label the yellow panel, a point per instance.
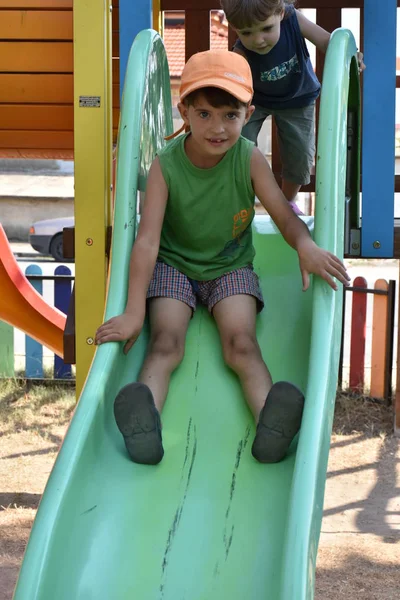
(157, 17)
(92, 80)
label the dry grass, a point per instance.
(34, 410)
(33, 422)
(356, 413)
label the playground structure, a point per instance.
(79, 461)
(219, 531)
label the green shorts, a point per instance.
(296, 136)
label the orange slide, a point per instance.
(23, 307)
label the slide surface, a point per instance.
(208, 523)
(23, 307)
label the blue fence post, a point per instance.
(378, 152)
(34, 350)
(62, 295)
(133, 17)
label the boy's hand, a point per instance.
(314, 259)
(360, 60)
(117, 329)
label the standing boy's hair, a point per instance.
(244, 13)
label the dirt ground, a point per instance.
(359, 552)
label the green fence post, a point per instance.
(6, 350)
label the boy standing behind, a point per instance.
(271, 37)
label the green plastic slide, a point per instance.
(209, 522)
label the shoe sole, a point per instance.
(280, 421)
(139, 422)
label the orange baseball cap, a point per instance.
(222, 69)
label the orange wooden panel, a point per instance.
(379, 333)
(35, 25)
(35, 88)
(36, 57)
(37, 153)
(38, 4)
(58, 140)
(43, 118)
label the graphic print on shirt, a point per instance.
(283, 70)
(239, 231)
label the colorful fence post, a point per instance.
(34, 350)
(388, 393)
(379, 336)
(358, 331)
(383, 324)
(62, 295)
(6, 350)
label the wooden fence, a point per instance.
(370, 343)
(367, 340)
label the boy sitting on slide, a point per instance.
(194, 244)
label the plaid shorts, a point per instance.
(168, 282)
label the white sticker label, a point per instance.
(89, 101)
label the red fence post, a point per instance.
(358, 331)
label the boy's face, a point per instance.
(214, 130)
(262, 36)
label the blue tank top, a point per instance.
(284, 78)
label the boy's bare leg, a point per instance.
(279, 419)
(290, 190)
(169, 320)
(236, 320)
(134, 410)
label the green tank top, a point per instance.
(207, 224)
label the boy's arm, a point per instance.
(143, 259)
(320, 37)
(312, 258)
(313, 33)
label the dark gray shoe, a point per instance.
(139, 422)
(280, 420)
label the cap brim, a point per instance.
(231, 87)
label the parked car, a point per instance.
(47, 236)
